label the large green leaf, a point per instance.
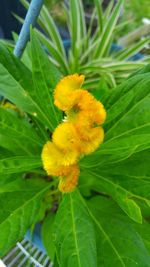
(17, 86)
(17, 134)
(133, 174)
(125, 181)
(16, 69)
(100, 182)
(16, 164)
(45, 78)
(74, 235)
(19, 205)
(118, 242)
(47, 235)
(128, 122)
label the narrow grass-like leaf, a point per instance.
(99, 15)
(75, 27)
(54, 54)
(82, 20)
(108, 10)
(108, 30)
(52, 30)
(129, 52)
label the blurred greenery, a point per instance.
(135, 10)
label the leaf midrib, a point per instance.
(127, 132)
(74, 231)
(50, 100)
(119, 186)
(128, 112)
(29, 97)
(103, 232)
(22, 134)
(26, 203)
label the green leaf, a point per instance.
(55, 263)
(127, 128)
(101, 182)
(108, 30)
(131, 51)
(99, 15)
(74, 16)
(55, 57)
(8, 178)
(45, 78)
(18, 211)
(17, 134)
(118, 242)
(16, 164)
(74, 235)
(82, 20)
(47, 235)
(17, 86)
(133, 174)
(52, 30)
(101, 91)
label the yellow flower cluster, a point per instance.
(80, 134)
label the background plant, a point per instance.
(90, 51)
(111, 205)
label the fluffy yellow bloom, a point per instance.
(51, 159)
(68, 183)
(64, 99)
(66, 137)
(80, 134)
(55, 161)
(96, 137)
(86, 108)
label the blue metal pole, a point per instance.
(30, 19)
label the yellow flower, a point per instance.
(56, 162)
(95, 138)
(66, 138)
(68, 183)
(51, 159)
(63, 96)
(86, 108)
(80, 134)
